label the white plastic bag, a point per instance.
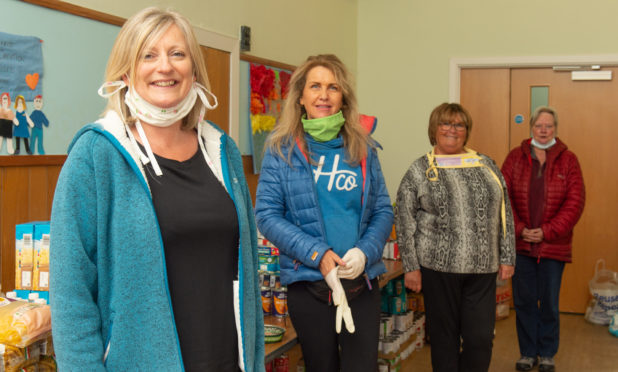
(604, 291)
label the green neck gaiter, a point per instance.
(324, 129)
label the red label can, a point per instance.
(282, 364)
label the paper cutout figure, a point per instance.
(21, 121)
(39, 119)
(6, 123)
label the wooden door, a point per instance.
(485, 93)
(218, 68)
(587, 113)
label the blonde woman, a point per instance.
(154, 263)
(321, 199)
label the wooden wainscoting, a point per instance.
(27, 185)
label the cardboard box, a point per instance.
(24, 258)
(40, 280)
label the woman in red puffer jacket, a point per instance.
(547, 195)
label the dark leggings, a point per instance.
(314, 322)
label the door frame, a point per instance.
(231, 45)
(456, 64)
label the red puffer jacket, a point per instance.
(564, 198)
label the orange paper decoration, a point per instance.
(32, 80)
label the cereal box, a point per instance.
(24, 259)
(40, 280)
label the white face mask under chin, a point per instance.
(159, 117)
(543, 146)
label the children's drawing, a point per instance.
(21, 122)
(21, 65)
(6, 123)
(39, 119)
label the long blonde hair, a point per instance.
(289, 128)
(137, 34)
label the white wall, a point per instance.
(282, 30)
(404, 49)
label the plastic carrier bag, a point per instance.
(604, 291)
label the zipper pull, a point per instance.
(296, 265)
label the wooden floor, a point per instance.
(584, 347)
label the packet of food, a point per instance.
(22, 322)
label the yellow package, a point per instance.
(21, 323)
(28, 359)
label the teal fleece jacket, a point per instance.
(111, 307)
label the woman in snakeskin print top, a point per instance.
(455, 233)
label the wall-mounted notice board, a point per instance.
(75, 51)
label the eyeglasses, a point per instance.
(459, 127)
(543, 126)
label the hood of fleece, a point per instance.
(112, 127)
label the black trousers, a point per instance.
(461, 315)
(314, 322)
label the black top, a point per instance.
(199, 227)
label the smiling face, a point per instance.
(164, 72)
(5, 101)
(450, 139)
(544, 128)
(322, 95)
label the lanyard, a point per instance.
(470, 159)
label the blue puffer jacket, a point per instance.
(288, 214)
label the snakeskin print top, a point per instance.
(453, 224)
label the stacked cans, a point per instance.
(274, 295)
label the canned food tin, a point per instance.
(275, 282)
(265, 279)
(267, 300)
(282, 364)
(280, 300)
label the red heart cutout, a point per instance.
(32, 80)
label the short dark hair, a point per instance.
(445, 113)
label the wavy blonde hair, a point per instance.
(289, 128)
(138, 34)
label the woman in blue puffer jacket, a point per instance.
(321, 199)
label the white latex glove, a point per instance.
(355, 261)
(339, 299)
